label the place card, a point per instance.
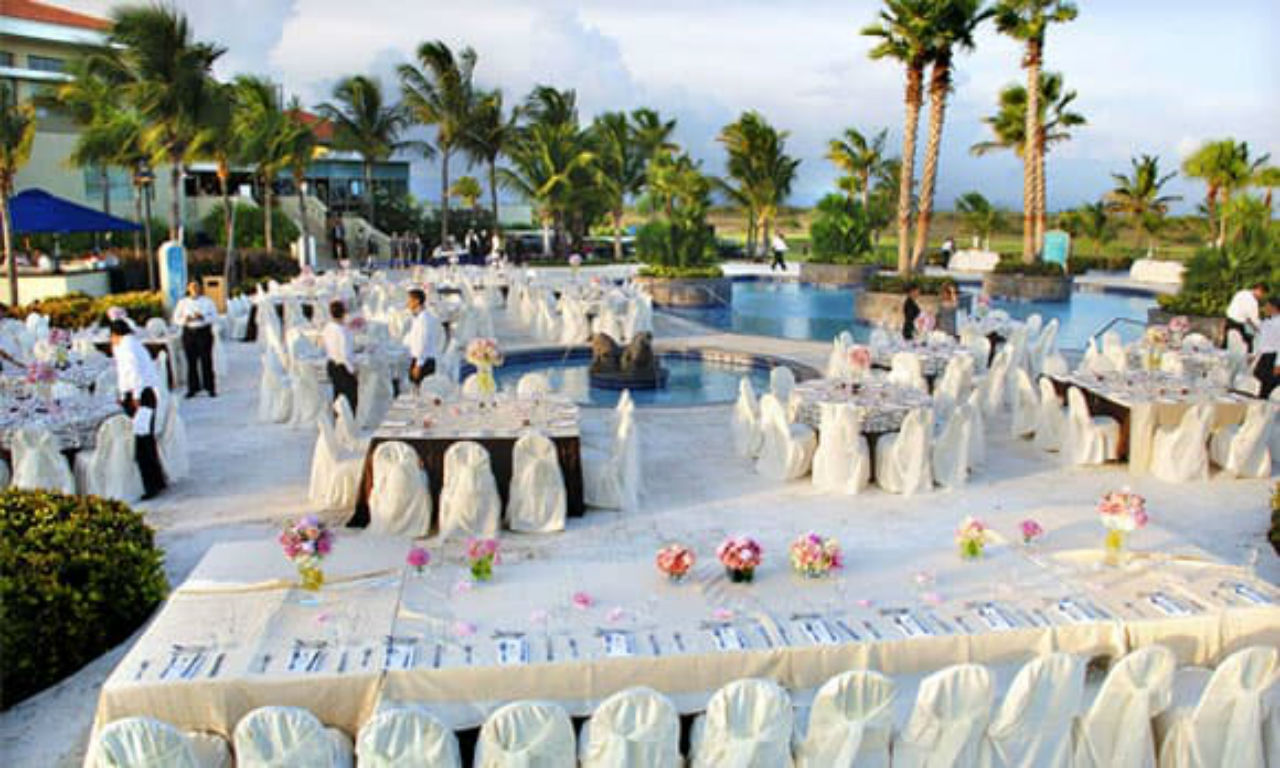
(994, 618)
(401, 653)
(817, 631)
(184, 663)
(1168, 605)
(617, 644)
(1250, 594)
(727, 638)
(1073, 612)
(910, 626)
(306, 657)
(513, 650)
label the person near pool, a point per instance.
(424, 339)
(340, 351)
(138, 384)
(779, 246)
(1243, 311)
(1267, 345)
(910, 311)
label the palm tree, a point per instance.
(491, 132)
(1091, 221)
(905, 31)
(221, 142)
(298, 148)
(364, 123)
(441, 94)
(651, 133)
(90, 100)
(264, 129)
(544, 157)
(859, 158)
(1027, 21)
(468, 190)
(621, 161)
(679, 190)
(758, 162)
(1226, 167)
(167, 76)
(981, 217)
(956, 23)
(1138, 195)
(1268, 178)
(17, 133)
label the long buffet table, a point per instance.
(238, 634)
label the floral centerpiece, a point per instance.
(1121, 512)
(675, 560)
(740, 556)
(925, 323)
(482, 554)
(575, 263)
(418, 559)
(116, 313)
(1155, 339)
(484, 354)
(983, 305)
(815, 556)
(1179, 326)
(1030, 531)
(41, 375)
(859, 360)
(357, 324)
(971, 537)
(306, 543)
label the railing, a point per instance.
(1113, 322)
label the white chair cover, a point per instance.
(308, 401)
(37, 462)
(344, 428)
(171, 439)
(879, 338)
(951, 450)
(537, 502)
(156, 327)
(400, 502)
(980, 346)
(634, 728)
(533, 385)
(1113, 349)
(469, 502)
(335, 474)
(406, 737)
(275, 395)
(526, 734)
(782, 381)
(1243, 450)
(993, 385)
(903, 460)
(1055, 365)
(5, 474)
(374, 394)
(1026, 405)
(289, 737)
(611, 480)
(1116, 731)
(1231, 725)
(977, 431)
(1089, 439)
(954, 386)
(110, 469)
(746, 421)
(1051, 418)
(838, 365)
(1180, 454)
(907, 371)
(1032, 728)
(438, 385)
(747, 725)
(140, 742)
(850, 723)
(1044, 347)
(471, 386)
(949, 722)
(786, 450)
(842, 462)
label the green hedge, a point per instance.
(1012, 265)
(1079, 264)
(928, 286)
(657, 270)
(78, 575)
(76, 310)
(251, 267)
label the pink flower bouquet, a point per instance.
(418, 559)
(859, 358)
(814, 556)
(482, 554)
(1123, 511)
(971, 537)
(740, 556)
(484, 353)
(925, 322)
(675, 561)
(357, 324)
(40, 373)
(1030, 530)
(306, 542)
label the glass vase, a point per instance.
(741, 575)
(310, 577)
(482, 569)
(1114, 545)
(971, 550)
(484, 381)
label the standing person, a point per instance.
(1242, 312)
(948, 249)
(1267, 345)
(195, 314)
(340, 350)
(910, 311)
(425, 336)
(138, 384)
(779, 252)
(338, 239)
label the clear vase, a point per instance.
(971, 550)
(310, 577)
(482, 569)
(484, 380)
(741, 575)
(1116, 554)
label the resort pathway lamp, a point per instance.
(143, 179)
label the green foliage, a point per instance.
(660, 244)
(76, 310)
(249, 227)
(1214, 274)
(676, 272)
(678, 197)
(1012, 265)
(928, 286)
(981, 218)
(841, 231)
(78, 574)
(1079, 264)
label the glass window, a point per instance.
(6, 59)
(46, 63)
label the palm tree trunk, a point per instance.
(1030, 160)
(266, 215)
(939, 84)
(10, 262)
(1041, 190)
(368, 191)
(302, 217)
(617, 234)
(866, 188)
(228, 222)
(493, 193)
(175, 187)
(104, 174)
(444, 196)
(137, 216)
(913, 97)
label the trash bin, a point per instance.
(216, 289)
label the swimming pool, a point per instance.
(692, 380)
(795, 310)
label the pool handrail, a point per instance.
(1114, 322)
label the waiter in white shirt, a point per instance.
(138, 384)
(195, 314)
(1242, 312)
(424, 339)
(340, 349)
(1267, 345)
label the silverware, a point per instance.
(173, 659)
(847, 630)
(316, 658)
(266, 660)
(870, 628)
(364, 662)
(142, 668)
(293, 658)
(782, 632)
(653, 643)
(764, 635)
(467, 648)
(963, 624)
(217, 665)
(192, 666)
(435, 661)
(342, 663)
(573, 647)
(679, 641)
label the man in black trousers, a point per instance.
(340, 349)
(195, 314)
(138, 383)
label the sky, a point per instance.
(1153, 76)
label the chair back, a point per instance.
(406, 737)
(533, 385)
(526, 733)
(851, 717)
(1229, 722)
(634, 728)
(782, 380)
(1117, 728)
(748, 722)
(906, 370)
(1033, 725)
(950, 717)
(141, 742)
(157, 328)
(274, 737)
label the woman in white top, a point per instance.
(138, 383)
(340, 349)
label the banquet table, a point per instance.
(495, 426)
(883, 405)
(934, 356)
(238, 634)
(74, 421)
(1196, 361)
(1144, 401)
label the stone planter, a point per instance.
(876, 308)
(1213, 328)
(1027, 287)
(687, 292)
(836, 274)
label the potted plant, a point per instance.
(841, 237)
(1038, 281)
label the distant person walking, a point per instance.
(779, 246)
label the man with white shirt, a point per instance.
(1267, 345)
(195, 314)
(424, 339)
(138, 385)
(1243, 311)
(340, 350)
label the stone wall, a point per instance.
(837, 274)
(687, 292)
(1214, 328)
(886, 309)
(1027, 287)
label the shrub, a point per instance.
(660, 243)
(249, 227)
(896, 284)
(841, 231)
(670, 273)
(78, 574)
(251, 267)
(76, 310)
(1079, 264)
(1214, 274)
(1012, 265)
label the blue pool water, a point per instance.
(691, 381)
(795, 310)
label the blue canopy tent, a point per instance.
(36, 211)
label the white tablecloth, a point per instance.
(883, 405)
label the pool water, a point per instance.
(691, 381)
(794, 310)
